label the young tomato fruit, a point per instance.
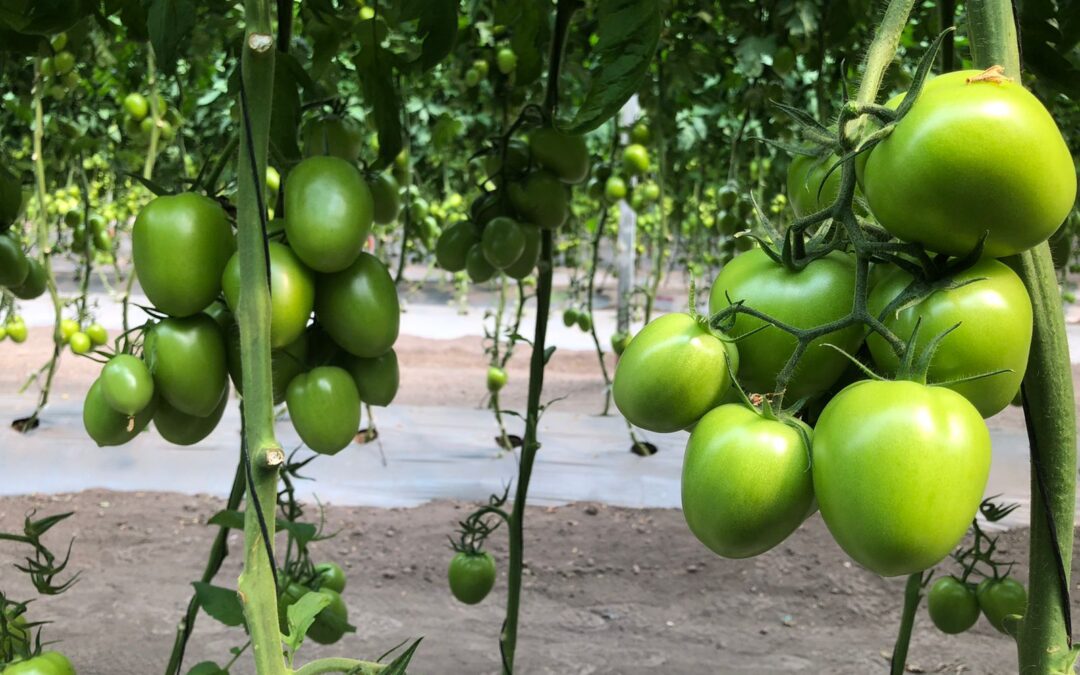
(331, 576)
(565, 155)
(107, 426)
(952, 605)
(324, 408)
(472, 576)
(292, 296)
(179, 428)
(79, 343)
(541, 199)
(328, 212)
(1000, 598)
(127, 384)
(496, 379)
(187, 359)
(452, 248)
(808, 189)
(376, 379)
(503, 242)
(358, 307)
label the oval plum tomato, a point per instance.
(187, 359)
(994, 312)
(1001, 598)
(34, 284)
(530, 256)
(565, 155)
(808, 188)
(324, 407)
(960, 163)
(635, 159)
(358, 307)
(727, 505)
(584, 321)
(328, 212)
(619, 342)
(503, 242)
(472, 576)
(330, 576)
(569, 316)
(14, 265)
(335, 136)
(332, 622)
(179, 428)
(452, 248)
(68, 327)
(376, 379)
(952, 605)
(126, 384)
(187, 227)
(541, 199)
(899, 472)
(385, 197)
(105, 425)
(517, 161)
(16, 330)
(477, 265)
(292, 293)
(673, 372)
(496, 379)
(819, 293)
(97, 334)
(615, 189)
(506, 60)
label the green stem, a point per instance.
(598, 237)
(155, 130)
(256, 586)
(912, 596)
(883, 49)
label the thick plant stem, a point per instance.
(256, 587)
(883, 48)
(1043, 641)
(155, 115)
(912, 596)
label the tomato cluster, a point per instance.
(898, 466)
(24, 276)
(954, 604)
(332, 622)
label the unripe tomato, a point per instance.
(971, 157)
(14, 265)
(635, 159)
(359, 308)
(541, 198)
(16, 330)
(187, 359)
(673, 372)
(506, 60)
(63, 63)
(292, 293)
(503, 242)
(386, 198)
(899, 472)
(615, 189)
(952, 605)
(97, 334)
(526, 262)
(517, 162)
(324, 407)
(187, 227)
(452, 248)
(35, 282)
(472, 77)
(808, 188)
(46, 663)
(126, 384)
(107, 426)
(328, 212)
(649, 192)
(569, 316)
(79, 343)
(331, 576)
(584, 321)
(273, 180)
(728, 196)
(496, 379)
(477, 265)
(331, 623)
(565, 155)
(640, 134)
(619, 342)
(727, 505)
(472, 576)
(68, 327)
(179, 428)
(1001, 598)
(481, 67)
(376, 379)
(334, 136)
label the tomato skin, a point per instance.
(386, 198)
(126, 384)
(673, 372)
(952, 605)
(105, 425)
(47, 663)
(503, 242)
(376, 379)
(292, 293)
(530, 256)
(14, 265)
(999, 598)
(328, 212)
(188, 225)
(471, 576)
(452, 249)
(180, 428)
(496, 379)
(805, 177)
(335, 136)
(187, 359)
(899, 472)
(324, 407)
(565, 155)
(35, 282)
(727, 505)
(331, 576)
(477, 265)
(995, 317)
(541, 199)
(635, 159)
(821, 292)
(359, 308)
(961, 163)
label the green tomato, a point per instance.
(640, 134)
(994, 312)
(727, 505)
(999, 599)
(187, 227)
(472, 77)
(334, 136)
(126, 384)
(328, 212)
(565, 155)
(187, 359)
(63, 63)
(324, 407)
(971, 157)
(359, 308)
(481, 67)
(73, 218)
(526, 262)
(584, 321)
(68, 327)
(819, 293)
(506, 60)
(14, 265)
(79, 343)
(16, 330)
(899, 472)
(332, 622)
(808, 188)
(179, 428)
(569, 316)
(472, 576)
(376, 379)
(517, 163)
(503, 242)
(330, 576)
(292, 293)
(386, 198)
(107, 426)
(673, 372)
(619, 341)
(47, 663)
(635, 159)
(477, 265)
(496, 379)
(615, 189)
(273, 180)
(541, 198)
(97, 334)
(452, 248)
(35, 282)
(952, 605)
(650, 192)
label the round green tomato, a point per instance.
(331, 576)
(333, 136)
(808, 188)
(569, 316)
(97, 333)
(1001, 598)
(506, 60)
(526, 262)
(273, 180)
(565, 155)
(292, 293)
(971, 157)
(541, 199)
(615, 189)
(68, 327)
(481, 67)
(180, 245)
(640, 134)
(34, 284)
(358, 307)
(899, 472)
(105, 425)
(376, 379)
(187, 359)
(477, 265)
(60, 663)
(324, 407)
(619, 341)
(14, 265)
(673, 372)
(452, 248)
(952, 605)
(179, 428)
(79, 343)
(16, 330)
(332, 622)
(727, 505)
(386, 198)
(472, 77)
(73, 218)
(63, 63)
(328, 212)
(584, 321)
(650, 192)
(503, 242)
(994, 312)
(635, 159)
(136, 106)
(496, 379)
(126, 384)
(47, 663)
(819, 293)
(472, 576)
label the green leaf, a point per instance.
(399, 665)
(169, 22)
(301, 615)
(530, 19)
(207, 668)
(220, 603)
(132, 16)
(628, 32)
(377, 80)
(285, 117)
(438, 24)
